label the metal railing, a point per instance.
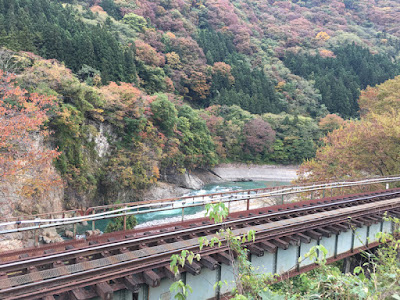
(246, 198)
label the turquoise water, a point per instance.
(207, 189)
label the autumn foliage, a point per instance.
(370, 146)
(22, 156)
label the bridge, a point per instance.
(134, 264)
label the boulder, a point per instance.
(50, 236)
(69, 234)
(93, 232)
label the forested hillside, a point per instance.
(367, 146)
(149, 88)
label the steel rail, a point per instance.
(124, 268)
(91, 250)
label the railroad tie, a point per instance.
(208, 262)
(303, 238)
(170, 274)
(292, 240)
(104, 290)
(131, 284)
(325, 233)
(333, 229)
(78, 294)
(151, 278)
(314, 235)
(194, 268)
(223, 257)
(255, 250)
(280, 243)
(271, 248)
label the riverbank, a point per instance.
(177, 185)
(243, 172)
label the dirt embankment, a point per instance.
(235, 172)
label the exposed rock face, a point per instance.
(207, 176)
(176, 185)
(163, 190)
(102, 145)
(194, 179)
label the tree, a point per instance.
(117, 224)
(259, 136)
(22, 157)
(358, 148)
(330, 122)
(173, 60)
(137, 23)
(322, 36)
(382, 98)
(370, 146)
(164, 114)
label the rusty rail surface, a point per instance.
(37, 277)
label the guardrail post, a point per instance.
(93, 221)
(124, 219)
(282, 198)
(183, 213)
(248, 200)
(35, 232)
(74, 227)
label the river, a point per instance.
(150, 219)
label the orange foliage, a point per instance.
(148, 54)
(170, 35)
(382, 98)
(370, 146)
(279, 86)
(199, 84)
(330, 122)
(326, 53)
(21, 120)
(97, 9)
(223, 69)
(322, 36)
(169, 84)
(122, 100)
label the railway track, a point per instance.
(117, 236)
(140, 252)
